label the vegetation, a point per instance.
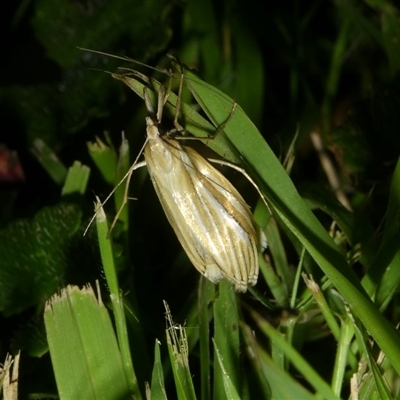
(316, 127)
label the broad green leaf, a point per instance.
(34, 260)
(283, 197)
(83, 347)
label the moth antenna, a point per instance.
(125, 58)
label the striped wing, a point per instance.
(209, 216)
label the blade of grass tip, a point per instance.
(295, 358)
(107, 257)
(342, 354)
(83, 348)
(157, 379)
(206, 295)
(226, 338)
(106, 250)
(104, 157)
(284, 199)
(76, 180)
(230, 391)
(179, 357)
(322, 305)
(188, 312)
(336, 330)
(49, 160)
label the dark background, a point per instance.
(294, 66)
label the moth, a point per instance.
(210, 218)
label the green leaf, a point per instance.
(105, 158)
(276, 383)
(179, 357)
(83, 347)
(34, 258)
(384, 273)
(77, 179)
(283, 197)
(157, 379)
(110, 272)
(296, 359)
(356, 228)
(381, 385)
(49, 160)
(226, 340)
(206, 295)
(229, 388)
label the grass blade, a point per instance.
(107, 257)
(179, 357)
(76, 180)
(230, 390)
(83, 347)
(226, 339)
(157, 379)
(286, 202)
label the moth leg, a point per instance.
(246, 175)
(178, 127)
(223, 125)
(216, 133)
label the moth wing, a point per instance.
(236, 233)
(169, 176)
(209, 216)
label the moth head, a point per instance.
(152, 129)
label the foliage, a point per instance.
(320, 82)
